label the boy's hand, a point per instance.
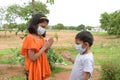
(66, 55)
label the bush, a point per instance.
(110, 70)
(53, 58)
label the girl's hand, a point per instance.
(46, 44)
(50, 40)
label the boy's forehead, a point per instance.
(78, 41)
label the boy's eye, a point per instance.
(77, 43)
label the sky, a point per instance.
(75, 12)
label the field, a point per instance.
(105, 48)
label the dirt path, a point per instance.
(6, 71)
(66, 75)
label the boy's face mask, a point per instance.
(80, 49)
(41, 30)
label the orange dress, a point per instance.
(39, 69)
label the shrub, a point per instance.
(53, 58)
(110, 70)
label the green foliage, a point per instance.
(58, 26)
(111, 70)
(81, 27)
(13, 57)
(53, 58)
(50, 1)
(2, 16)
(21, 28)
(26, 11)
(111, 22)
(88, 27)
(12, 13)
(56, 36)
(9, 26)
(71, 28)
(23, 12)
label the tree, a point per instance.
(24, 12)
(88, 27)
(5, 26)
(33, 5)
(2, 16)
(21, 27)
(105, 21)
(71, 27)
(9, 26)
(111, 22)
(13, 12)
(81, 27)
(59, 26)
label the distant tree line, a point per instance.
(61, 26)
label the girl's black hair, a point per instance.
(33, 25)
(85, 36)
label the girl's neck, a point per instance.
(36, 36)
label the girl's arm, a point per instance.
(50, 40)
(34, 56)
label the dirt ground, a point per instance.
(6, 71)
(64, 39)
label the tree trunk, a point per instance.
(33, 7)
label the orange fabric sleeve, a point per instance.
(39, 69)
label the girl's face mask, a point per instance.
(80, 49)
(41, 30)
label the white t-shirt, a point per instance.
(83, 63)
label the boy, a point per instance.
(84, 62)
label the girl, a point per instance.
(34, 49)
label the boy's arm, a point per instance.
(86, 75)
(68, 57)
(71, 60)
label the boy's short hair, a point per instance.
(85, 36)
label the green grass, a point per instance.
(71, 50)
(4, 52)
(17, 78)
(103, 51)
(8, 56)
(58, 69)
(100, 33)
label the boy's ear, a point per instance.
(87, 44)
